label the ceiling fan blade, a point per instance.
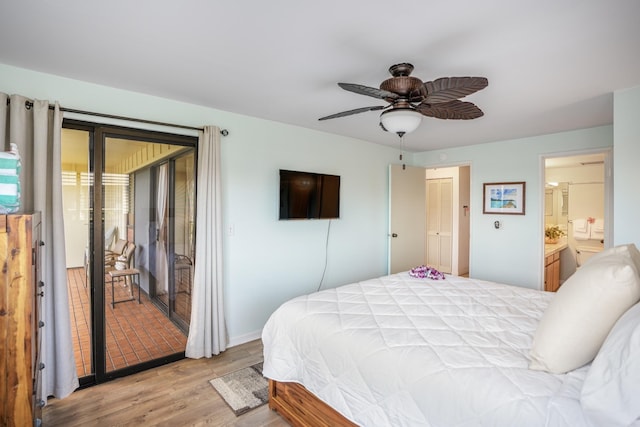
(449, 88)
(453, 110)
(350, 112)
(369, 91)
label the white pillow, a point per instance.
(629, 250)
(584, 310)
(611, 390)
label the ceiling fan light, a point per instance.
(400, 120)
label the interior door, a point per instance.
(440, 223)
(407, 217)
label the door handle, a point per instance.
(394, 235)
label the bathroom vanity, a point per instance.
(552, 264)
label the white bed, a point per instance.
(404, 351)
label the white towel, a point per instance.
(597, 229)
(581, 229)
(580, 225)
(598, 225)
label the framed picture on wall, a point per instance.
(504, 198)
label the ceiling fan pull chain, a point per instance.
(402, 150)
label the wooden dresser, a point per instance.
(21, 291)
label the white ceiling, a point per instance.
(552, 65)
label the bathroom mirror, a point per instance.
(557, 205)
(565, 200)
(548, 202)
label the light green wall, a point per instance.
(266, 261)
(626, 159)
(513, 253)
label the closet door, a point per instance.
(439, 223)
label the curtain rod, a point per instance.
(29, 104)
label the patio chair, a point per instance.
(183, 264)
(111, 256)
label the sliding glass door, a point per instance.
(173, 237)
(132, 196)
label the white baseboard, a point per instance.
(234, 341)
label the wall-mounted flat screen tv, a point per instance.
(307, 195)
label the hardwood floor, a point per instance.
(178, 394)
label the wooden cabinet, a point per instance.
(21, 291)
(552, 272)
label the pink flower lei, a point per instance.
(424, 272)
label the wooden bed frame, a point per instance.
(301, 408)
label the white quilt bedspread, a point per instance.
(403, 351)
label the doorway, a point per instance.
(448, 219)
(577, 194)
(411, 227)
(113, 238)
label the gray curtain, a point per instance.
(36, 130)
(207, 329)
(162, 265)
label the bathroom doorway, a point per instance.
(577, 200)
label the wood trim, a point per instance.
(301, 408)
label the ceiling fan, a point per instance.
(410, 99)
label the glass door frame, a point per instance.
(98, 133)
